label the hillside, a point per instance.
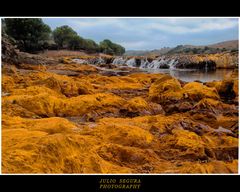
(226, 44)
(191, 49)
(161, 51)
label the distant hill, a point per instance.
(226, 44)
(189, 49)
(135, 53)
(146, 53)
(212, 48)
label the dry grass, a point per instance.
(69, 53)
(62, 53)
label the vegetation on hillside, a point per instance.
(198, 50)
(32, 34)
(225, 46)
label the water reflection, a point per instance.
(193, 75)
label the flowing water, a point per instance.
(160, 64)
(193, 75)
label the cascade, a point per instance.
(131, 62)
(119, 60)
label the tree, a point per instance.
(195, 51)
(3, 26)
(206, 48)
(118, 49)
(30, 34)
(105, 47)
(224, 49)
(108, 47)
(91, 45)
(62, 35)
(76, 42)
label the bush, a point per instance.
(234, 50)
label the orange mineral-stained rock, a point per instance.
(138, 106)
(126, 135)
(168, 88)
(7, 83)
(215, 84)
(222, 60)
(215, 106)
(235, 87)
(113, 82)
(212, 167)
(42, 104)
(82, 69)
(37, 152)
(65, 85)
(196, 91)
(215, 113)
(190, 145)
(49, 125)
(165, 88)
(36, 90)
(45, 105)
(144, 78)
(227, 89)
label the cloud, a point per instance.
(90, 23)
(181, 26)
(135, 44)
(152, 33)
(172, 25)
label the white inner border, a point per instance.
(99, 173)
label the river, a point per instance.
(193, 75)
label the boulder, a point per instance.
(196, 91)
(138, 106)
(164, 89)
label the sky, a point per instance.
(152, 33)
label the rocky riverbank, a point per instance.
(104, 118)
(202, 62)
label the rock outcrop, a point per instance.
(9, 51)
(11, 55)
(183, 61)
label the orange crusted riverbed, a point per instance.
(80, 118)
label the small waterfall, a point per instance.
(172, 63)
(131, 62)
(154, 64)
(119, 61)
(206, 66)
(100, 61)
(144, 63)
(162, 62)
(158, 63)
(80, 61)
